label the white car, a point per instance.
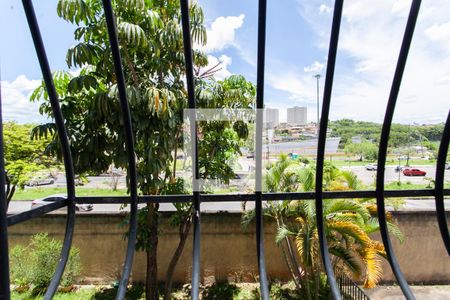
(371, 167)
(40, 181)
(51, 198)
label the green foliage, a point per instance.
(151, 44)
(23, 157)
(220, 292)
(365, 150)
(19, 272)
(347, 222)
(36, 263)
(278, 291)
(83, 293)
(136, 291)
(220, 141)
(400, 135)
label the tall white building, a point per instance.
(271, 117)
(297, 115)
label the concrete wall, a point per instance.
(228, 252)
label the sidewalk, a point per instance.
(428, 292)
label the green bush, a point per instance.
(223, 291)
(19, 271)
(36, 263)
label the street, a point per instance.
(210, 207)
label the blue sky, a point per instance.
(297, 42)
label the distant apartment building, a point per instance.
(271, 117)
(297, 115)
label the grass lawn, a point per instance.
(81, 294)
(405, 185)
(40, 192)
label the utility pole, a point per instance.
(317, 76)
(409, 144)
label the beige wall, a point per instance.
(228, 252)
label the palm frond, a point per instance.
(348, 258)
(306, 177)
(132, 33)
(43, 131)
(132, 4)
(350, 229)
(373, 268)
(395, 231)
(247, 218)
(74, 11)
(351, 179)
(82, 54)
(282, 233)
(336, 206)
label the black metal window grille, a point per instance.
(196, 198)
(349, 289)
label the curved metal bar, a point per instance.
(439, 185)
(262, 15)
(184, 5)
(337, 15)
(129, 141)
(68, 164)
(409, 30)
(5, 292)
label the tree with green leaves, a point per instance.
(364, 150)
(151, 44)
(23, 156)
(221, 140)
(219, 144)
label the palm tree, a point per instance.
(348, 224)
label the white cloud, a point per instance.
(401, 6)
(438, 32)
(315, 67)
(370, 39)
(15, 100)
(300, 87)
(221, 34)
(324, 9)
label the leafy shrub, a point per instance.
(19, 271)
(36, 263)
(224, 291)
(134, 292)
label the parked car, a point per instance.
(371, 167)
(36, 181)
(414, 172)
(46, 200)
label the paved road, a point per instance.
(410, 205)
(367, 177)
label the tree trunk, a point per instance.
(288, 254)
(151, 287)
(174, 171)
(183, 232)
(10, 195)
(9, 190)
